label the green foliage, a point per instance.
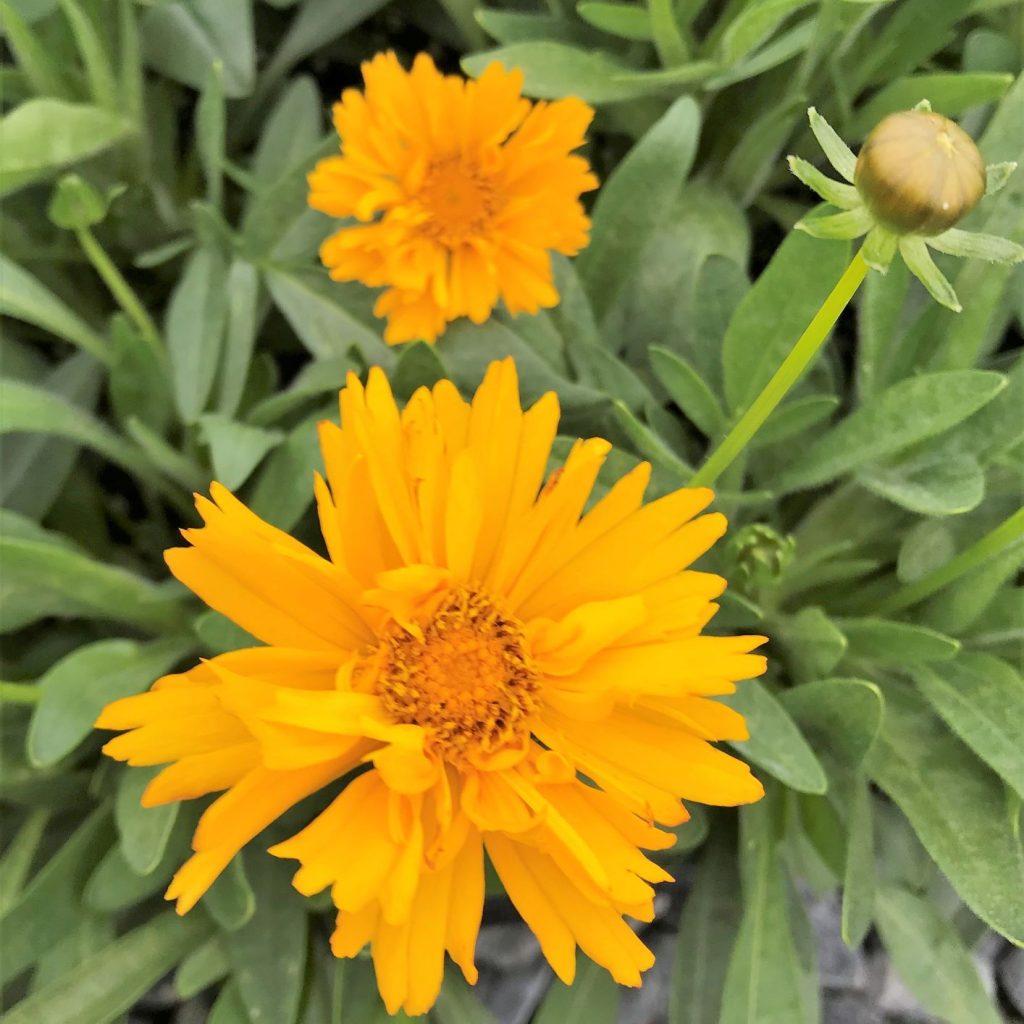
(166, 323)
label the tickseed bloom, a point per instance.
(462, 188)
(917, 174)
(479, 665)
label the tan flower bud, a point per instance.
(919, 173)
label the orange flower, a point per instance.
(463, 189)
(509, 674)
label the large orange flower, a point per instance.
(508, 673)
(463, 189)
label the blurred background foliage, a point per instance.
(166, 322)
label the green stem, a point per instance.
(19, 693)
(1005, 534)
(792, 368)
(462, 14)
(121, 290)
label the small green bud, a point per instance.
(759, 554)
(76, 204)
(919, 173)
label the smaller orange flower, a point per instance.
(464, 189)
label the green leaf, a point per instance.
(99, 70)
(930, 957)
(765, 980)
(593, 998)
(707, 929)
(210, 127)
(138, 384)
(909, 412)
(775, 743)
(896, 643)
(793, 418)
(91, 931)
(317, 377)
(925, 548)
(268, 953)
(418, 366)
(236, 449)
(813, 642)
(625, 20)
(552, 70)
(468, 349)
(950, 93)
(22, 487)
(28, 409)
(841, 717)
(230, 900)
(194, 328)
(33, 58)
(283, 488)
(775, 312)
(18, 857)
(115, 886)
(317, 23)
(144, 831)
(43, 135)
(229, 1007)
(48, 907)
(931, 483)
(201, 969)
(219, 634)
(688, 390)
(754, 24)
(292, 130)
(111, 980)
(632, 202)
(597, 367)
(182, 40)
(312, 304)
(858, 909)
(76, 586)
(456, 1003)
(648, 444)
(981, 698)
(957, 807)
(79, 686)
(25, 298)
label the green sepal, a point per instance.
(839, 154)
(846, 197)
(997, 175)
(924, 106)
(848, 224)
(922, 266)
(879, 248)
(975, 245)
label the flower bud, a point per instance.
(919, 173)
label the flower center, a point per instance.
(467, 681)
(459, 199)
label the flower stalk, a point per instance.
(1008, 532)
(120, 289)
(19, 693)
(791, 370)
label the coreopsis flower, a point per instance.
(463, 189)
(478, 665)
(917, 174)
